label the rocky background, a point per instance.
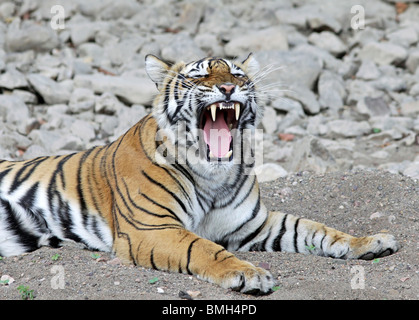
(340, 80)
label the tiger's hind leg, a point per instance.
(285, 232)
(22, 231)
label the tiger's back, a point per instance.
(49, 199)
(44, 200)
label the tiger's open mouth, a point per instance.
(217, 122)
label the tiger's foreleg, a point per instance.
(285, 232)
(180, 250)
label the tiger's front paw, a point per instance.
(249, 280)
(377, 246)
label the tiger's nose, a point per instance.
(227, 88)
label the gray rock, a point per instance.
(79, 66)
(386, 123)
(380, 154)
(343, 151)
(41, 9)
(84, 130)
(270, 172)
(107, 123)
(131, 89)
(182, 48)
(292, 118)
(93, 53)
(26, 96)
(416, 126)
(108, 9)
(296, 68)
(29, 35)
(217, 20)
(125, 50)
(364, 36)
(405, 37)
(127, 118)
(328, 41)
(272, 38)
(34, 151)
(51, 91)
(269, 122)
(368, 70)
(348, 128)
(7, 10)
(412, 61)
(317, 126)
(373, 107)
(329, 61)
(296, 17)
(410, 15)
(410, 108)
(192, 14)
(81, 100)
(296, 131)
(121, 9)
(383, 53)
(82, 32)
(412, 170)
(14, 112)
(390, 83)
(210, 44)
(12, 79)
(284, 104)
(331, 91)
(321, 22)
(54, 141)
(414, 90)
(358, 89)
(107, 103)
(13, 140)
(306, 97)
(57, 117)
(310, 154)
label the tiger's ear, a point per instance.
(156, 69)
(251, 65)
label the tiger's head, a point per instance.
(206, 105)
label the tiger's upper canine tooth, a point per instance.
(237, 109)
(214, 112)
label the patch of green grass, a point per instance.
(310, 248)
(55, 257)
(153, 280)
(25, 292)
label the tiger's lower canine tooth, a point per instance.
(228, 154)
(214, 112)
(237, 109)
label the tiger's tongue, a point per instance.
(217, 136)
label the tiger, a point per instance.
(176, 192)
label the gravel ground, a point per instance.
(360, 203)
